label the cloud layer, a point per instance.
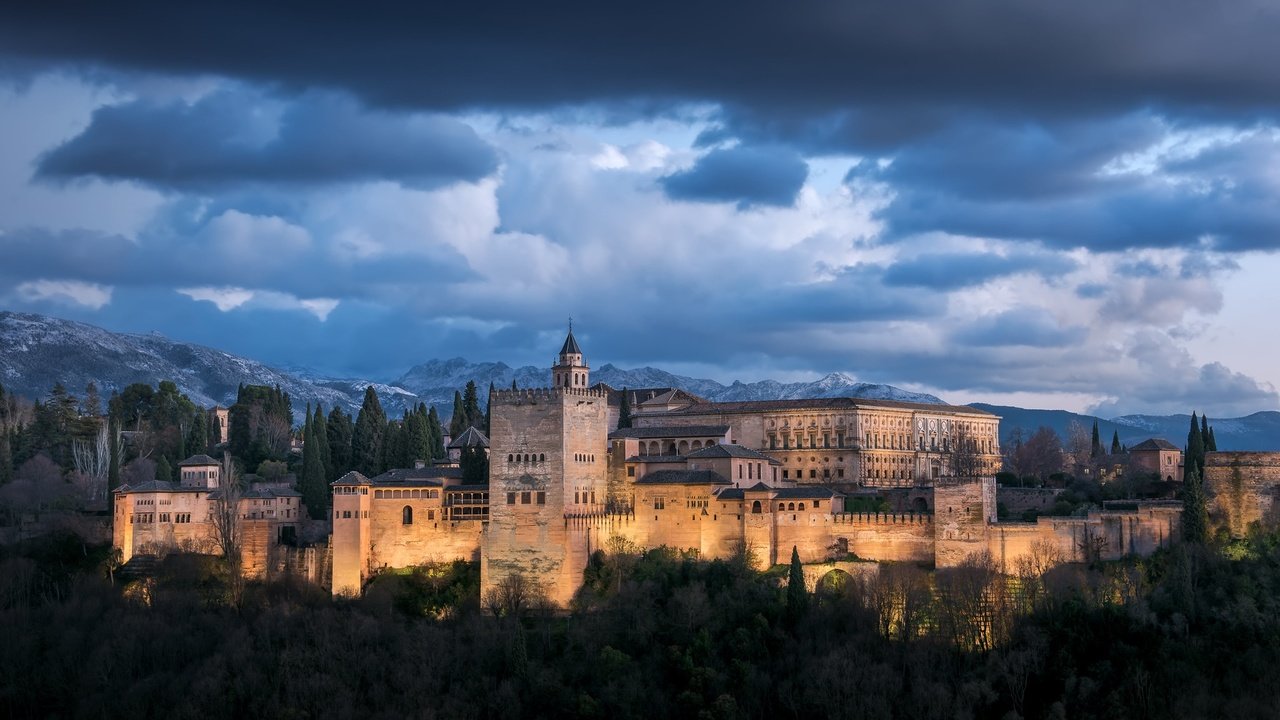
(992, 199)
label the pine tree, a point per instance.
(1095, 449)
(797, 595)
(312, 485)
(1195, 514)
(1195, 447)
(457, 423)
(366, 438)
(624, 410)
(1116, 449)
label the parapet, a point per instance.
(883, 518)
(1237, 458)
(533, 396)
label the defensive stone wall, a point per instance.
(1242, 489)
(889, 537)
(1019, 500)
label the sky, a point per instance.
(1061, 205)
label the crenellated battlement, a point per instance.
(525, 396)
(883, 518)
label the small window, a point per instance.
(525, 497)
(631, 471)
(801, 506)
(659, 502)
(406, 515)
(542, 498)
(511, 498)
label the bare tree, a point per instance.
(224, 513)
(963, 455)
(1079, 446)
(514, 595)
(93, 461)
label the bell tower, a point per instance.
(570, 371)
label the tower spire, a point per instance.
(570, 370)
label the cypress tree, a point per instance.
(513, 384)
(366, 438)
(313, 486)
(624, 410)
(488, 407)
(198, 437)
(1195, 514)
(471, 406)
(437, 434)
(457, 423)
(392, 446)
(1212, 444)
(164, 472)
(417, 438)
(797, 595)
(1195, 446)
(321, 430)
(340, 432)
(1095, 449)
(1116, 449)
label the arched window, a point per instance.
(791, 506)
(755, 507)
(542, 457)
(801, 506)
(377, 493)
(406, 515)
(697, 445)
(510, 457)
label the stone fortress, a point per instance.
(716, 478)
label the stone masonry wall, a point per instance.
(1242, 489)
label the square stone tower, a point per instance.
(547, 469)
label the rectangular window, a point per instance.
(659, 502)
(813, 474)
(542, 498)
(525, 497)
(739, 471)
(511, 498)
(346, 514)
(784, 474)
(631, 471)
(575, 497)
(839, 472)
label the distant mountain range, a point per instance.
(37, 351)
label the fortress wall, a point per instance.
(256, 543)
(962, 512)
(896, 537)
(1242, 488)
(429, 539)
(1019, 500)
(1110, 534)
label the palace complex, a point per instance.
(716, 478)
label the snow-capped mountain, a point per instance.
(38, 351)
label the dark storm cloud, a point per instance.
(1028, 327)
(166, 260)
(743, 175)
(773, 62)
(950, 271)
(234, 136)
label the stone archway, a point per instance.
(834, 582)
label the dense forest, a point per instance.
(1193, 632)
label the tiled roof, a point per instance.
(730, 494)
(255, 493)
(470, 438)
(430, 476)
(656, 458)
(683, 477)
(198, 460)
(352, 478)
(748, 406)
(157, 486)
(670, 431)
(804, 493)
(1154, 444)
(728, 451)
(570, 346)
